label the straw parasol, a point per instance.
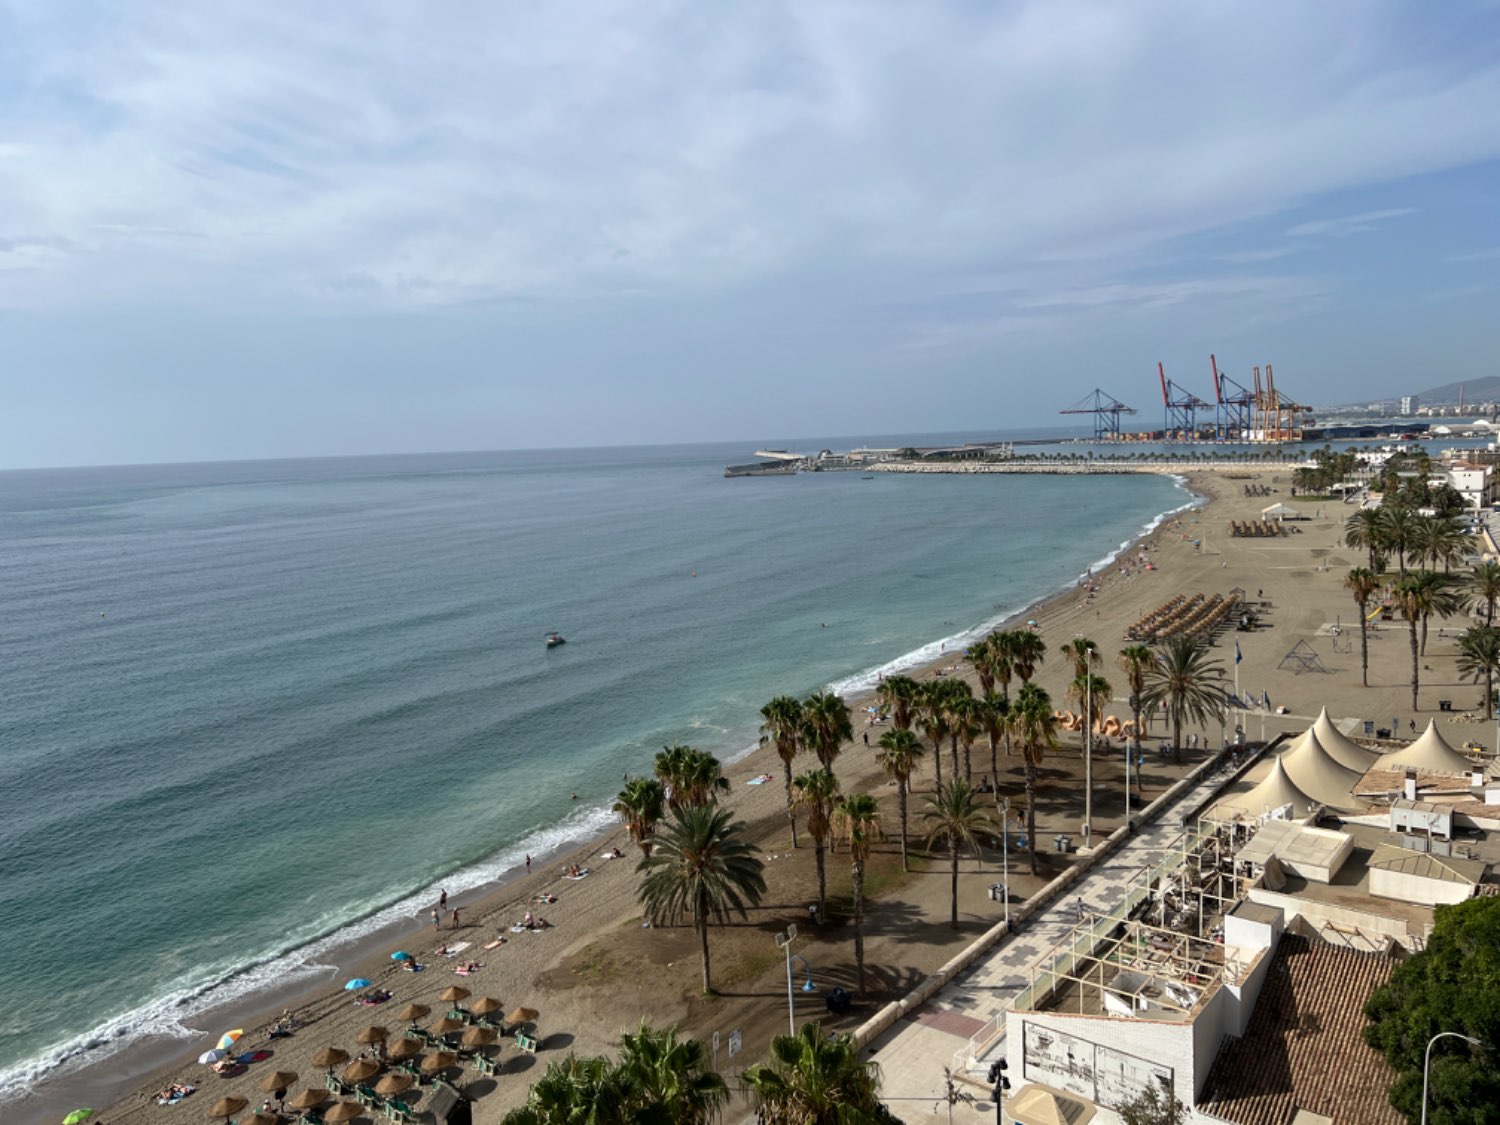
(522, 1015)
(394, 1084)
(278, 1080)
(478, 1037)
(413, 1012)
(344, 1111)
(406, 1048)
(228, 1107)
(372, 1034)
(361, 1070)
(310, 1098)
(454, 993)
(438, 1060)
(445, 1026)
(485, 1005)
(259, 1118)
(330, 1057)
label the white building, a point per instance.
(1408, 405)
(1475, 483)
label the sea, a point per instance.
(251, 711)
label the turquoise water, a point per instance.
(250, 709)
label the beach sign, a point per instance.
(734, 1042)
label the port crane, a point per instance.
(1182, 408)
(1276, 417)
(1236, 405)
(1106, 410)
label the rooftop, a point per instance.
(1303, 1048)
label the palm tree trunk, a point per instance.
(1364, 648)
(953, 855)
(995, 761)
(1489, 611)
(791, 805)
(702, 924)
(859, 925)
(1031, 813)
(1415, 663)
(1424, 634)
(901, 797)
(1489, 689)
(1008, 749)
(937, 760)
(953, 751)
(1177, 738)
(968, 770)
(822, 881)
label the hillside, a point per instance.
(1483, 389)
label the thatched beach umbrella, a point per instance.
(330, 1057)
(454, 993)
(485, 1005)
(438, 1060)
(278, 1081)
(309, 1098)
(259, 1118)
(227, 1107)
(445, 1026)
(372, 1034)
(478, 1037)
(361, 1070)
(394, 1084)
(406, 1048)
(522, 1015)
(414, 1012)
(344, 1111)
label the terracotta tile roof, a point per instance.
(1303, 1048)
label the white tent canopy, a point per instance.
(1314, 771)
(1272, 792)
(1344, 750)
(1430, 752)
(1280, 512)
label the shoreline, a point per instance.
(155, 1057)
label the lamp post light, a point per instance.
(1427, 1061)
(784, 941)
(1135, 709)
(1004, 804)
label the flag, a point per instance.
(1238, 655)
(1265, 698)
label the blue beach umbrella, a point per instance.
(400, 955)
(356, 983)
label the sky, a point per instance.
(265, 229)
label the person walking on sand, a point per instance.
(443, 899)
(528, 865)
(455, 917)
(436, 922)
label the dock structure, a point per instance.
(1106, 410)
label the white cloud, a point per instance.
(1489, 255)
(1250, 257)
(387, 157)
(1348, 224)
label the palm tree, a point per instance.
(1479, 659)
(1483, 583)
(858, 818)
(1133, 661)
(702, 866)
(1092, 694)
(692, 776)
(1027, 651)
(640, 806)
(994, 718)
(816, 1079)
(670, 1079)
(932, 717)
(826, 726)
(1188, 681)
(1036, 727)
(782, 721)
(817, 792)
(900, 755)
(1441, 598)
(898, 695)
(968, 724)
(1398, 530)
(953, 818)
(981, 656)
(1003, 660)
(588, 1090)
(1084, 654)
(1419, 595)
(1366, 529)
(1362, 584)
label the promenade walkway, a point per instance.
(913, 1053)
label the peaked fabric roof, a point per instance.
(1273, 791)
(1345, 750)
(1430, 752)
(1314, 771)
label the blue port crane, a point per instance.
(1182, 406)
(1106, 410)
(1233, 419)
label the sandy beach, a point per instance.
(595, 971)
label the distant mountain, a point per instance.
(1484, 389)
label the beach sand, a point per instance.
(596, 972)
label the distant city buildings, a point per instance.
(1408, 405)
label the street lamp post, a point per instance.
(784, 941)
(1135, 709)
(1004, 804)
(1427, 1061)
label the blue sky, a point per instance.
(278, 229)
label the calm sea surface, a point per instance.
(250, 709)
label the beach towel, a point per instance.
(762, 781)
(259, 1056)
(584, 874)
(519, 929)
(177, 1097)
(465, 972)
(456, 948)
(497, 942)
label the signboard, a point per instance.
(734, 1042)
(1103, 1075)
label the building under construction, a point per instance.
(1239, 414)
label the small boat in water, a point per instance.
(555, 639)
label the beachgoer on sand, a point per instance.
(528, 865)
(455, 917)
(443, 899)
(436, 919)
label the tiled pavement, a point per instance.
(913, 1053)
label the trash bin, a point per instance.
(838, 1001)
(994, 892)
(1065, 843)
